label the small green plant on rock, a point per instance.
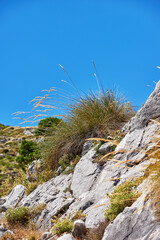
(62, 225)
(28, 152)
(123, 196)
(23, 215)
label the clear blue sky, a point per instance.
(122, 37)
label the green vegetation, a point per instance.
(28, 152)
(66, 224)
(68, 162)
(62, 225)
(47, 126)
(23, 215)
(123, 196)
(94, 115)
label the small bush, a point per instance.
(30, 186)
(23, 215)
(78, 215)
(18, 216)
(28, 152)
(46, 126)
(62, 226)
(123, 196)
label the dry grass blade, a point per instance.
(124, 200)
(114, 152)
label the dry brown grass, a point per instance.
(23, 232)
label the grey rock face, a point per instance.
(135, 222)
(46, 235)
(86, 147)
(13, 199)
(85, 174)
(150, 110)
(33, 169)
(53, 194)
(66, 237)
(106, 148)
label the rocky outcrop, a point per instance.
(55, 195)
(135, 222)
(150, 110)
(87, 187)
(13, 199)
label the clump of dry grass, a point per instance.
(90, 115)
(21, 232)
(84, 115)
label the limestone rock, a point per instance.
(150, 110)
(86, 147)
(85, 174)
(13, 199)
(66, 237)
(106, 148)
(46, 235)
(54, 194)
(135, 222)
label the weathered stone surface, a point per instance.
(46, 235)
(106, 148)
(53, 194)
(95, 213)
(13, 199)
(85, 174)
(150, 110)
(59, 205)
(135, 222)
(48, 191)
(66, 237)
(79, 229)
(86, 147)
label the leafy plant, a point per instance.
(23, 215)
(123, 196)
(62, 225)
(47, 126)
(20, 216)
(28, 152)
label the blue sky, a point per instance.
(121, 36)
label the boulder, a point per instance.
(54, 193)
(86, 147)
(79, 229)
(13, 199)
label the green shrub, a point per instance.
(18, 216)
(78, 215)
(46, 126)
(62, 226)
(28, 152)
(23, 215)
(123, 196)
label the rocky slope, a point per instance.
(87, 187)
